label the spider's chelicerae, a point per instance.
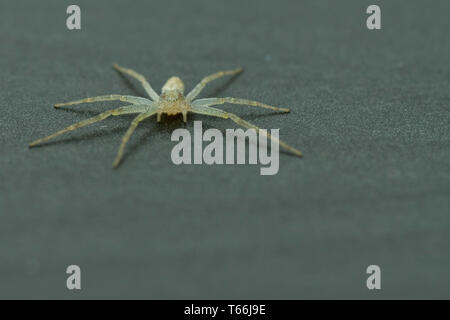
(171, 102)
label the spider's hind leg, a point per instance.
(147, 87)
(215, 101)
(110, 97)
(100, 117)
(226, 115)
(199, 87)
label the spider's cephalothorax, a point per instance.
(171, 102)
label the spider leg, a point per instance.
(110, 97)
(148, 88)
(215, 101)
(128, 134)
(199, 87)
(226, 115)
(100, 117)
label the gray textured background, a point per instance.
(370, 111)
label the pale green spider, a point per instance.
(171, 102)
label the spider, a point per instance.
(171, 102)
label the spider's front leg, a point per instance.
(208, 111)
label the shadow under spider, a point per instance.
(169, 123)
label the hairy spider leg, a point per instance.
(128, 134)
(215, 101)
(100, 117)
(147, 87)
(199, 87)
(209, 111)
(110, 97)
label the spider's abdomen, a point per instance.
(173, 84)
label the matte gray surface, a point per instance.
(370, 111)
